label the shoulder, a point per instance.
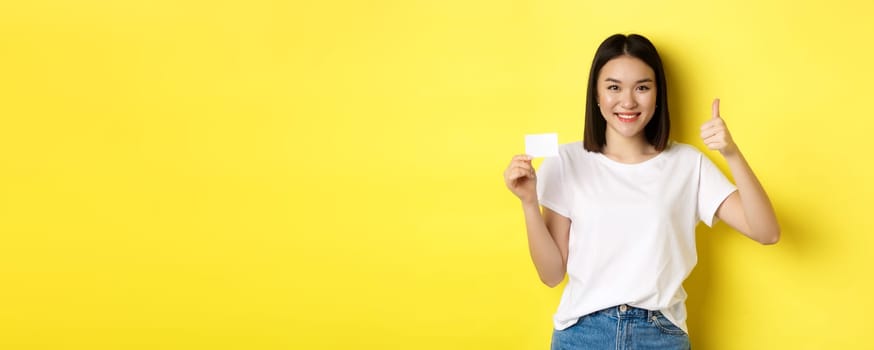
(571, 149)
(573, 152)
(682, 151)
(569, 155)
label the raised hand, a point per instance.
(715, 133)
(521, 178)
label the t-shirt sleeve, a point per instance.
(713, 189)
(551, 191)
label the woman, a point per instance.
(620, 207)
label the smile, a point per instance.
(627, 118)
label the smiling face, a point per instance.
(627, 96)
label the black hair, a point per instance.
(658, 129)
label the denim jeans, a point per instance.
(621, 327)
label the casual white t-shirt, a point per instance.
(632, 233)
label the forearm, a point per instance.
(761, 220)
(544, 251)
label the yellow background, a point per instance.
(327, 174)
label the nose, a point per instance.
(628, 101)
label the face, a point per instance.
(627, 96)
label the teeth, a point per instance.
(626, 116)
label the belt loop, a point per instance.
(649, 314)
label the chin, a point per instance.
(628, 132)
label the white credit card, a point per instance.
(541, 145)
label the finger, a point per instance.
(521, 164)
(524, 170)
(715, 139)
(520, 159)
(706, 134)
(715, 109)
(519, 174)
(710, 129)
(713, 129)
(710, 139)
(707, 140)
(714, 144)
(515, 174)
(712, 133)
(524, 157)
(713, 123)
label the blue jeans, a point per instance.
(621, 327)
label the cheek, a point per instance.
(606, 100)
(605, 105)
(653, 97)
(649, 100)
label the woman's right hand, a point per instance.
(521, 178)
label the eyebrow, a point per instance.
(645, 80)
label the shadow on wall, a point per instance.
(798, 232)
(798, 226)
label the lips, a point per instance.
(627, 117)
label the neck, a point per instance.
(628, 149)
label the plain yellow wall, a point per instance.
(328, 175)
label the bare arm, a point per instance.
(749, 209)
(547, 242)
(547, 232)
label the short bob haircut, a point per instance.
(658, 129)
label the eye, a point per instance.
(643, 88)
(613, 87)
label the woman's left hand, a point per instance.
(715, 133)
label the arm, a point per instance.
(547, 232)
(547, 242)
(749, 209)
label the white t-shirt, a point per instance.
(632, 233)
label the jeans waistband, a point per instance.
(628, 311)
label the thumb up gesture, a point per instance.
(715, 133)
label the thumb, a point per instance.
(716, 109)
